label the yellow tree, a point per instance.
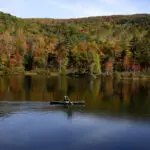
(21, 42)
(21, 46)
(62, 54)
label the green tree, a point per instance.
(143, 53)
(29, 56)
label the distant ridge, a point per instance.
(117, 38)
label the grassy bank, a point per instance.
(21, 71)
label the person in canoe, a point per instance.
(67, 100)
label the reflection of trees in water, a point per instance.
(11, 87)
(4, 87)
(121, 95)
(101, 94)
(62, 85)
(16, 83)
(71, 89)
(27, 83)
(121, 92)
(51, 86)
(109, 87)
(139, 94)
(95, 89)
(27, 86)
(58, 87)
(102, 89)
(135, 95)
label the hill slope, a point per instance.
(86, 44)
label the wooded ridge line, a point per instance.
(85, 45)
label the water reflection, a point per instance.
(116, 114)
(103, 95)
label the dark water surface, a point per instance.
(116, 114)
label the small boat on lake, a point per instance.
(67, 101)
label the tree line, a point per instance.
(86, 46)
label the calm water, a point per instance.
(116, 114)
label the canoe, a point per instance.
(67, 103)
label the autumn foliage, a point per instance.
(85, 45)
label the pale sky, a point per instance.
(72, 8)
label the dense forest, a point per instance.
(85, 45)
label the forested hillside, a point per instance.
(85, 45)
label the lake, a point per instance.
(116, 114)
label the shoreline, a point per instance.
(44, 72)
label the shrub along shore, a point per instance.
(49, 73)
